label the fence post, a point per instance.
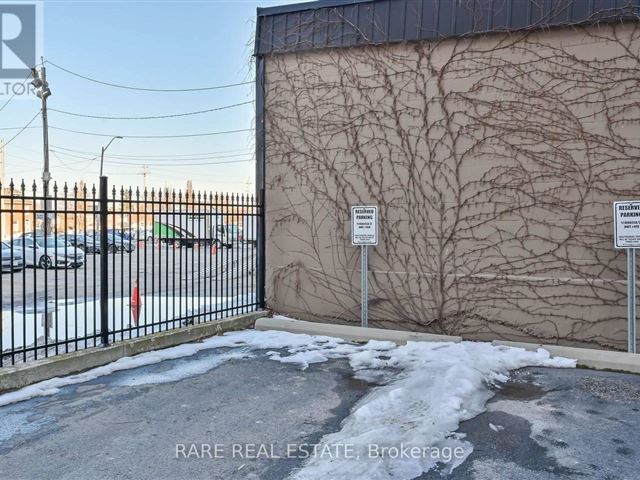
(260, 251)
(104, 264)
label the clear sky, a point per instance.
(147, 44)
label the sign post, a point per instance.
(627, 236)
(364, 232)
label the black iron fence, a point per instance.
(83, 267)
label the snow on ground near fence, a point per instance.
(425, 390)
(68, 321)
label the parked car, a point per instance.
(85, 242)
(126, 243)
(12, 258)
(49, 252)
(141, 235)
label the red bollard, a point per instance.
(136, 304)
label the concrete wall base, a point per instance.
(347, 332)
(586, 357)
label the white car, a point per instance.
(57, 253)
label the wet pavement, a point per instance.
(556, 424)
(542, 424)
(119, 426)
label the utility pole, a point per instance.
(145, 173)
(43, 92)
(1, 162)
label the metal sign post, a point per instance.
(364, 232)
(364, 282)
(627, 235)
(631, 299)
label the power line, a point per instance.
(143, 89)
(152, 117)
(159, 161)
(181, 164)
(16, 128)
(172, 156)
(187, 135)
(164, 163)
(14, 92)
(21, 130)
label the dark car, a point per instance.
(116, 238)
(85, 241)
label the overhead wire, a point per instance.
(152, 117)
(187, 135)
(146, 89)
(14, 92)
(168, 155)
(156, 163)
(21, 130)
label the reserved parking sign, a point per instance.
(627, 224)
(364, 225)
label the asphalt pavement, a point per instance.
(543, 424)
(548, 424)
(103, 430)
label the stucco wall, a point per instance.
(494, 161)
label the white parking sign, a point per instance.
(364, 225)
(627, 224)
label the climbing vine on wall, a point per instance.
(494, 161)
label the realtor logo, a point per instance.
(18, 34)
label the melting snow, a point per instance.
(495, 428)
(427, 390)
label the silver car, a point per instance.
(51, 252)
(11, 260)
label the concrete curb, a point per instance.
(586, 357)
(347, 332)
(12, 378)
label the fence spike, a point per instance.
(89, 217)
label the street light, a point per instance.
(103, 150)
(104, 248)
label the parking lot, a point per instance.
(160, 269)
(164, 420)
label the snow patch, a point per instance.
(428, 389)
(183, 369)
(438, 386)
(496, 428)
